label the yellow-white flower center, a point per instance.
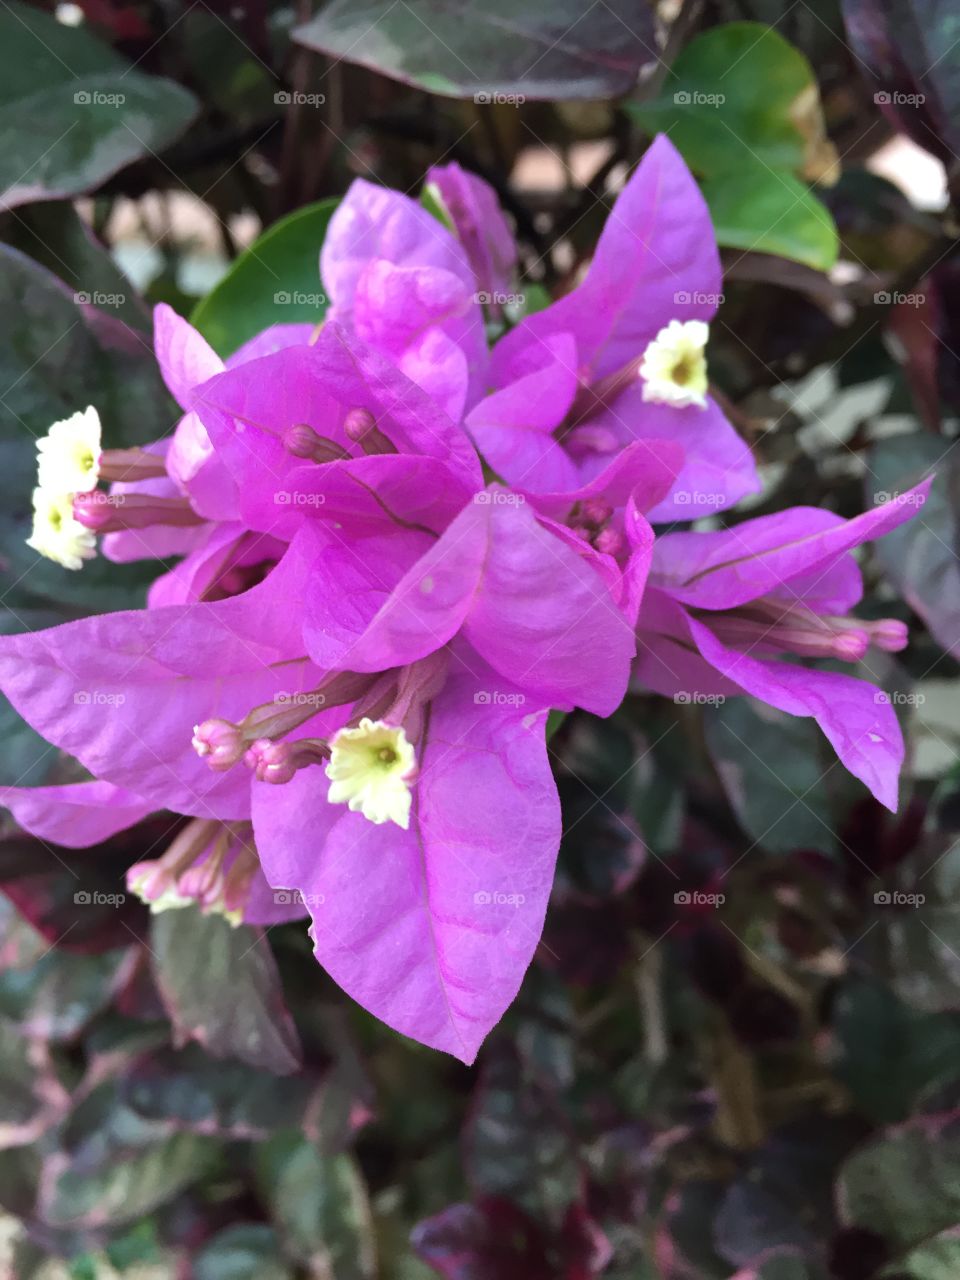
(370, 770)
(674, 366)
(56, 534)
(69, 454)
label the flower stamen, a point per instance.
(371, 769)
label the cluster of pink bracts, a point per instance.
(388, 551)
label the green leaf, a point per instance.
(517, 1144)
(246, 1252)
(546, 49)
(924, 939)
(122, 1190)
(431, 198)
(20, 944)
(31, 1097)
(905, 1184)
(730, 97)
(189, 1090)
(72, 111)
(275, 281)
(741, 104)
(921, 556)
(890, 1053)
(56, 236)
(937, 1260)
(61, 993)
(319, 1203)
(772, 768)
(764, 211)
(221, 987)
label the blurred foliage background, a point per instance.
(738, 1050)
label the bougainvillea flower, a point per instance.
(480, 226)
(620, 358)
(462, 627)
(722, 607)
(401, 281)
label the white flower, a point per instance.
(674, 367)
(370, 770)
(56, 534)
(69, 454)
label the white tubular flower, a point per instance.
(674, 367)
(370, 770)
(56, 534)
(69, 454)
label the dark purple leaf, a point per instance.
(221, 988)
(907, 50)
(559, 50)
